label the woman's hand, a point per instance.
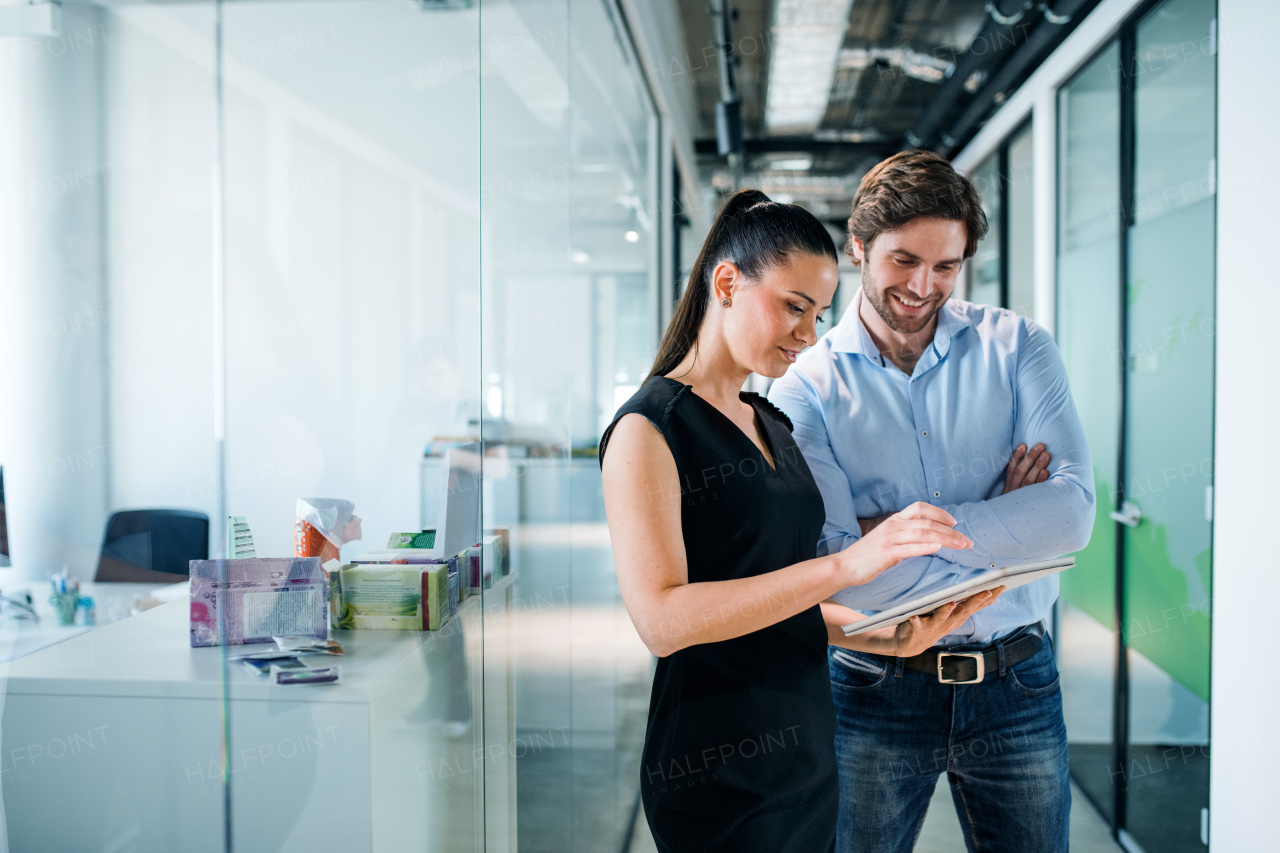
(1026, 468)
(918, 530)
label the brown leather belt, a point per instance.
(970, 666)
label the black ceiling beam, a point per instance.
(801, 144)
(1042, 41)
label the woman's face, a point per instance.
(769, 321)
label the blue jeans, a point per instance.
(1002, 744)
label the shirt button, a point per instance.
(993, 565)
(925, 433)
(937, 494)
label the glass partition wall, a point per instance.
(1001, 271)
(398, 254)
(1136, 323)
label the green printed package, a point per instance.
(406, 598)
(426, 539)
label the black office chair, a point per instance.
(152, 545)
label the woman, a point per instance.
(714, 518)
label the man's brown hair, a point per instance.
(911, 184)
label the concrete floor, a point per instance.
(583, 680)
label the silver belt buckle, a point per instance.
(977, 657)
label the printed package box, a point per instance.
(503, 535)
(234, 602)
(492, 555)
(470, 569)
(393, 597)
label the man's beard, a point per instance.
(880, 302)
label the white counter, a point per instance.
(114, 740)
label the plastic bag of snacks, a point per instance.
(322, 526)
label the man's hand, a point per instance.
(1026, 468)
(919, 633)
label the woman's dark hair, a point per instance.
(754, 233)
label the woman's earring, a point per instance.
(724, 303)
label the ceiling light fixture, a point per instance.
(793, 163)
(807, 37)
(632, 236)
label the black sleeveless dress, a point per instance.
(739, 754)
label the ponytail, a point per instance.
(755, 233)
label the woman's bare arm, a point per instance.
(642, 498)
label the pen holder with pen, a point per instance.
(64, 606)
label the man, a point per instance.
(915, 397)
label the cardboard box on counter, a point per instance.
(394, 597)
(234, 602)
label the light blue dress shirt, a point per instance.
(878, 440)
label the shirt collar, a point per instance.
(851, 335)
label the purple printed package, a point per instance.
(257, 599)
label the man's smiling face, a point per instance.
(907, 274)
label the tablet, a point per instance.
(1008, 577)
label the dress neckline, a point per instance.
(763, 430)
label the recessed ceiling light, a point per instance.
(632, 236)
(794, 164)
(807, 37)
(580, 257)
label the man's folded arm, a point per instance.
(1047, 519)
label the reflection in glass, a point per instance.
(570, 317)
(1169, 349)
(1089, 336)
(986, 267)
(1020, 196)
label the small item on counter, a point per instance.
(234, 602)
(309, 645)
(322, 526)
(492, 555)
(441, 606)
(272, 654)
(266, 666)
(84, 612)
(325, 675)
(426, 540)
(470, 568)
(65, 597)
(503, 535)
(239, 540)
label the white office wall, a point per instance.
(54, 442)
(352, 333)
(1246, 740)
(158, 121)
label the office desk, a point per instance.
(20, 635)
(113, 740)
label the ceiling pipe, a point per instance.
(728, 108)
(1043, 39)
(995, 40)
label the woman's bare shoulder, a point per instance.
(634, 439)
